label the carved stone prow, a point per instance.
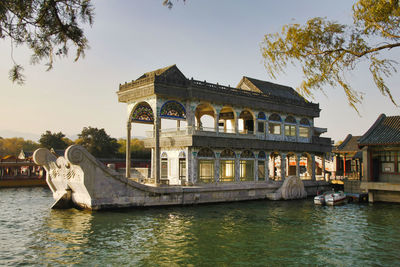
(54, 177)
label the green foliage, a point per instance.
(136, 145)
(13, 146)
(53, 140)
(47, 27)
(98, 142)
(327, 50)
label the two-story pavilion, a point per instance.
(254, 132)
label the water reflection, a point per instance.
(262, 233)
(62, 237)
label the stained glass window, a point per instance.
(304, 121)
(143, 113)
(275, 117)
(247, 154)
(261, 116)
(261, 155)
(290, 119)
(173, 109)
(205, 153)
(227, 153)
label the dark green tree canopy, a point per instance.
(327, 50)
(98, 142)
(47, 27)
(53, 140)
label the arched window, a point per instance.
(143, 113)
(247, 166)
(290, 129)
(227, 166)
(261, 166)
(274, 124)
(304, 128)
(206, 165)
(261, 124)
(173, 109)
(164, 167)
(182, 165)
(246, 122)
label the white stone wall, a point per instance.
(173, 164)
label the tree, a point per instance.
(53, 140)
(47, 27)
(13, 146)
(327, 50)
(136, 145)
(98, 142)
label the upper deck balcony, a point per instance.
(198, 136)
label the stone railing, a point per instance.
(196, 130)
(129, 85)
(237, 91)
(210, 131)
(215, 87)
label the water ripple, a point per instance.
(257, 233)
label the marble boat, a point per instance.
(79, 180)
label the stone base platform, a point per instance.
(80, 180)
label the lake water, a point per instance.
(255, 233)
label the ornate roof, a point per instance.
(350, 144)
(269, 88)
(385, 131)
(171, 72)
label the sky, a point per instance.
(217, 41)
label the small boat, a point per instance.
(336, 198)
(320, 199)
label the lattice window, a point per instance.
(173, 109)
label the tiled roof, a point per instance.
(275, 89)
(349, 144)
(163, 72)
(385, 131)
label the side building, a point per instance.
(381, 159)
(257, 131)
(348, 158)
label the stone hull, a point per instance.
(79, 180)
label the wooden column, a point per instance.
(128, 150)
(344, 165)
